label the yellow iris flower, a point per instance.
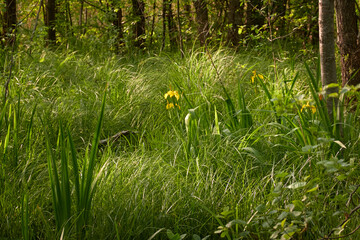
(171, 105)
(171, 94)
(254, 76)
(307, 105)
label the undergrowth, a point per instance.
(218, 144)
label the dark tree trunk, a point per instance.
(139, 28)
(164, 24)
(347, 41)
(50, 20)
(117, 23)
(153, 22)
(81, 15)
(180, 30)
(202, 20)
(119, 28)
(171, 26)
(327, 51)
(9, 22)
(234, 19)
(312, 33)
(189, 20)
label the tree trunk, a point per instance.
(81, 15)
(50, 20)
(234, 20)
(180, 34)
(189, 20)
(164, 24)
(117, 16)
(139, 28)
(327, 51)
(171, 26)
(202, 20)
(347, 33)
(9, 22)
(153, 22)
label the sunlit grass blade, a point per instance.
(25, 217)
(320, 104)
(87, 189)
(269, 96)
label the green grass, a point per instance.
(249, 162)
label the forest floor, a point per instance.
(215, 144)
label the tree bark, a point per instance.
(117, 23)
(9, 22)
(327, 51)
(50, 20)
(202, 20)
(234, 20)
(347, 41)
(171, 26)
(139, 28)
(164, 24)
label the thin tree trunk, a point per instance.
(50, 20)
(189, 22)
(81, 15)
(327, 51)
(171, 26)
(202, 20)
(9, 22)
(139, 28)
(234, 22)
(347, 32)
(36, 21)
(179, 24)
(153, 22)
(164, 24)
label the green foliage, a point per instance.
(242, 156)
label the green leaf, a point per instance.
(196, 237)
(299, 204)
(341, 177)
(333, 95)
(283, 215)
(261, 208)
(235, 222)
(296, 185)
(313, 189)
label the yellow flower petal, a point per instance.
(176, 94)
(253, 79)
(169, 105)
(260, 76)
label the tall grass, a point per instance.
(241, 157)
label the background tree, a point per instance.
(202, 19)
(117, 17)
(138, 7)
(9, 22)
(347, 41)
(50, 20)
(172, 26)
(327, 51)
(234, 21)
